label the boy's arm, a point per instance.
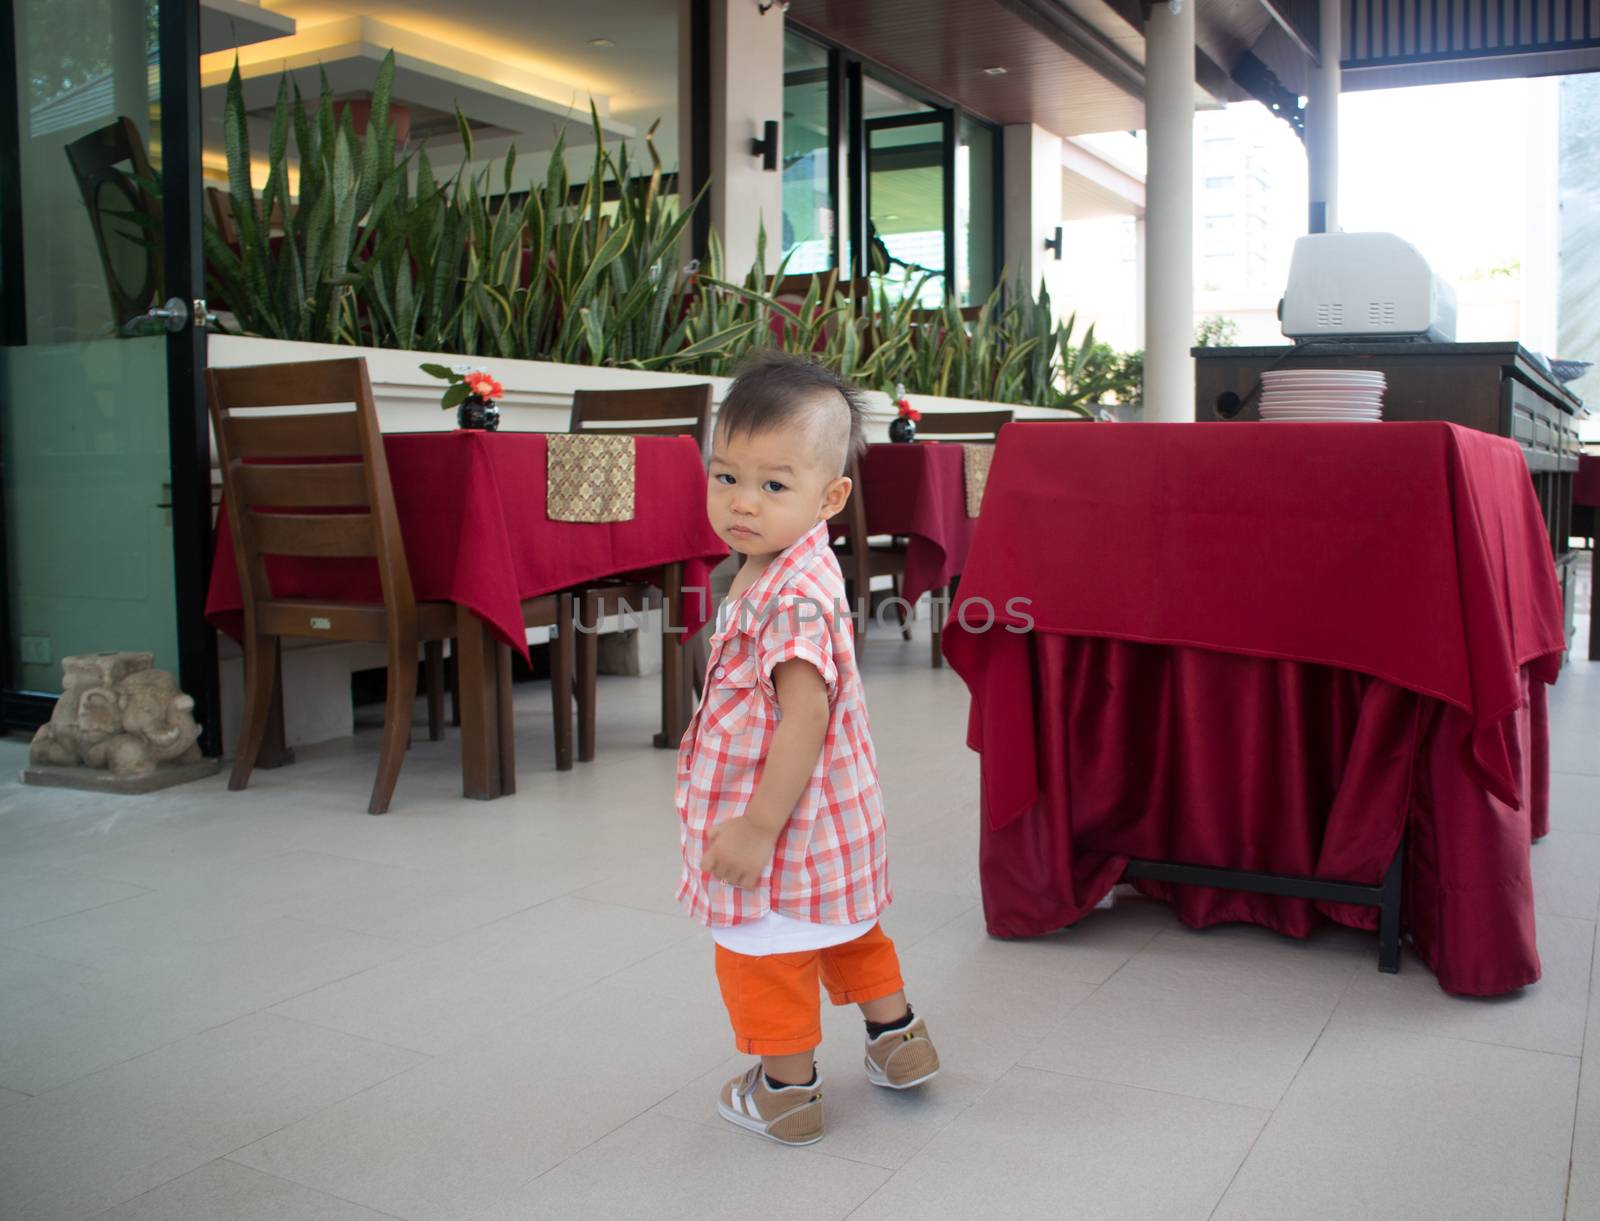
(740, 848)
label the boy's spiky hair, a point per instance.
(774, 389)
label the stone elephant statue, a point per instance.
(116, 713)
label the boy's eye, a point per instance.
(724, 478)
(772, 485)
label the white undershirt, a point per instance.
(775, 934)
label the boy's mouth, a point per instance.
(742, 532)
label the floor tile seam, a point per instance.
(270, 1011)
(943, 924)
(1147, 1089)
(1452, 1038)
(312, 1114)
(105, 1068)
(115, 1208)
(144, 890)
(1284, 1093)
(1588, 1018)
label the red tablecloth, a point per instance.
(472, 513)
(919, 490)
(1385, 594)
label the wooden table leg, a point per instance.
(563, 651)
(482, 700)
(506, 739)
(674, 705)
(275, 750)
(1594, 600)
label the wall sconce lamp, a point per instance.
(766, 145)
(1054, 243)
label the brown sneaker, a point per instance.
(790, 1116)
(900, 1059)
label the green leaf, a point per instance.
(433, 370)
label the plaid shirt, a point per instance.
(831, 861)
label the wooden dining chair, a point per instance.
(113, 174)
(659, 411)
(976, 427)
(971, 428)
(664, 411)
(862, 561)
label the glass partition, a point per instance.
(84, 425)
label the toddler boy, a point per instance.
(784, 847)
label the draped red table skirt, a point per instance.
(1237, 762)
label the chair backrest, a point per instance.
(221, 204)
(130, 247)
(667, 411)
(963, 425)
(312, 483)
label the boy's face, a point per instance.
(764, 492)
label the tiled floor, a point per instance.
(272, 1006)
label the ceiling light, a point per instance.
(996, 71)
(601, 42)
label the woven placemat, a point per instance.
(589, 477)
(975, 460)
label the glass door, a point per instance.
(104, 533)
(908, 146)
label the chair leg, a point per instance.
(562, 651)
(397, 708)
(453, 678)
(587, 650)
(433, 668)
(260, 681)
(906, 612)
(939, 599)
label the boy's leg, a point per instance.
(776, 1012)
(866, 972)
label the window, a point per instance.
(809, 210)
(975, 212)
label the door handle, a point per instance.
(175, 314)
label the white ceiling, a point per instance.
(639, 73)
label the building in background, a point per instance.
(1578, 316)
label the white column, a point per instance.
(746, 92)
(1169, 213)
(1032, 159)
(1322, 122)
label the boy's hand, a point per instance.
(738, 851)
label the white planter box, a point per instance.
(538, 396)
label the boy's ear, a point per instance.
(835, 496)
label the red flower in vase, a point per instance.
(908, 411)
(483, 386)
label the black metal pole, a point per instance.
(13, 297)
(189, 432)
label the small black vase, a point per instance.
(478, 413)
(902, 428)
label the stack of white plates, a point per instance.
(1322, 395)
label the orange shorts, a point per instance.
(773, 1001)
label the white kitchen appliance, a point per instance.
(1365, 286)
